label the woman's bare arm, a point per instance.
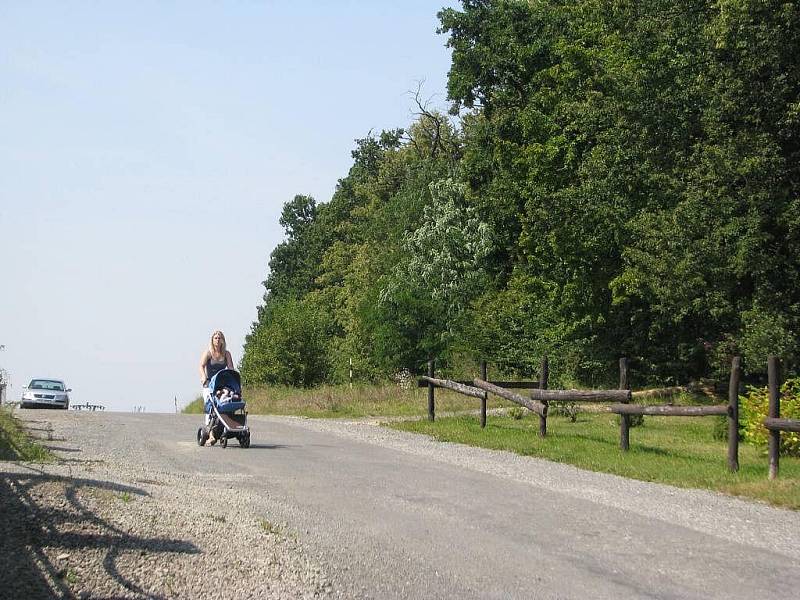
(203, 361)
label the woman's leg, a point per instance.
(207, 404)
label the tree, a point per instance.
(288, 345)
(441, 270)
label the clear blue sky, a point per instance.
(146, 150)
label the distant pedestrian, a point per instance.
(213, 360)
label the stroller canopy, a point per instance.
(226, 378)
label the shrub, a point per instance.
(288, 346)
(565, 409)
(516, 412)
(753, 411)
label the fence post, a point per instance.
(544, 375)
(624, 420)
(773, 382)
(431, 408)
(485, 395)
(733, 415)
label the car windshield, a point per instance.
(46, 384)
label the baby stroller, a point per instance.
(225, 410)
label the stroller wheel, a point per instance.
(224, 442)
(202, 436)
(244, 440)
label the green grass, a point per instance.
(16, 444)
(679, 451)
(341, 401)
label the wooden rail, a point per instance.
(670, 411)
(782, 424)
(536, 407)
(514, 385)
(467, 390)
(465, 387)
(581, 395)
(541, 397)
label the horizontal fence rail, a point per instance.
(514, 385)
(782, 424)
(581, 395)
(670, 411)
(537, 407)
(467, 390)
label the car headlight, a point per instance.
(27, 395)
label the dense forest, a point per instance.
(613, 178)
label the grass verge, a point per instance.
(679, 451)
(16, 444)
(342, 401)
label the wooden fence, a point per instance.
(464, 387)
(773, 422)
(541, 397)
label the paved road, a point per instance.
(393, 515)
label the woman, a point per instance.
(212, 361)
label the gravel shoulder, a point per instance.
(101, 527)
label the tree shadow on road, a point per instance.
(47, 529)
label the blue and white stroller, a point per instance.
(226, 416)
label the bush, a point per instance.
(288, 346)
(516, 412)
(569, 410)
(753, 411)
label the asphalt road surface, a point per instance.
(394, 515)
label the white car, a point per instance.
(45, 393)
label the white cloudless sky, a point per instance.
(146, 151)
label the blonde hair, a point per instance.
(223, 346)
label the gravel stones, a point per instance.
(105, 528)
